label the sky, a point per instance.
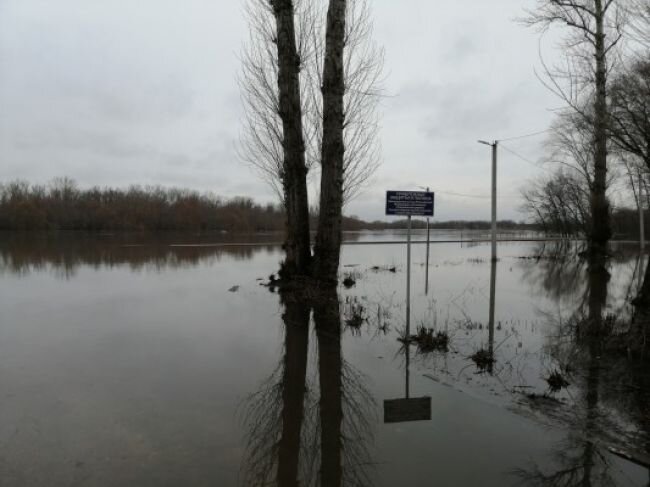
(145, 92)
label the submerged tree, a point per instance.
(294, 170)
(595, 28)
(274, 136)
(559, 203)
(327, 98)
(328, 238)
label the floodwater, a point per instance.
(139, 363)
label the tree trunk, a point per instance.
(294, 170)
(328, 240)
(600, 226)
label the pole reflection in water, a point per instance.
(407, 409)
(493, 281)
(295, 438)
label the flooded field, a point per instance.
(128, 362)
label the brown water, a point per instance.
(131, 362)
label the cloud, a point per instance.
(145, 92)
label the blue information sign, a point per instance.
(409, 203)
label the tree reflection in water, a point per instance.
(63, 256)
(595, 347)
(310, 432)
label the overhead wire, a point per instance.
(525, 136)
(525, 159)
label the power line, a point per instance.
(479, 196)
(523, 158)
(451, 193)
(525, 136)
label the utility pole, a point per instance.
(494, 195)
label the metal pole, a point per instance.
(494, 200)
(641, 222)
(408, 279)
(426, 272)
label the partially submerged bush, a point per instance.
(354, 314)
(556, 381)
(430, 340)
(483, 358)
(350, 279)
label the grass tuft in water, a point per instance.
(429, 340)
(483, 358)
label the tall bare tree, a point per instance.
(294, 170)
(363, 64)
(328, 238)
(264, 139)
(274, 107)
(595, 28)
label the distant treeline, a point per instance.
(61, 205)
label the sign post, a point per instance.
(426, 272)
(408, 204)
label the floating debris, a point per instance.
(376, 268)
(234, 289)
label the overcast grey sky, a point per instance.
(121, 92)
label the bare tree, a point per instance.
(630, 111)
(639, 26)
(363, 63)
(261, 144)
(261, 140)
(274, 134)
(328, 238)
(310, 94)
(595, 28)
(559, 203)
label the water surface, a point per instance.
(125, 361)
